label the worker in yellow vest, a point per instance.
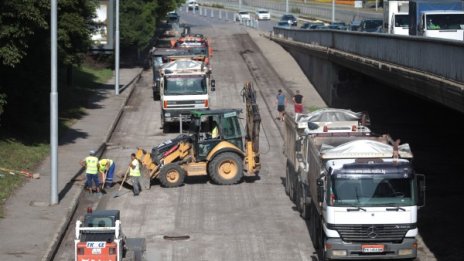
(91, 170)
(107, 166)
(135, 174)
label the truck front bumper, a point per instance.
(175, 115)
(337, 249)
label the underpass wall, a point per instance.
(322, 73)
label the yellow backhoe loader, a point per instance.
(215, 146)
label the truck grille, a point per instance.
(372, 233)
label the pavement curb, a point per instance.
(65, 221)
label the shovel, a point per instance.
(118, 193)
(104, 179)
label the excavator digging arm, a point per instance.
(253, 123)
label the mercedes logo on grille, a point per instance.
(371, 232)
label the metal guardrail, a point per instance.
(315, 11)
(443, 58)
(221, 15)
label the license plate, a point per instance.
(97, 244)
(372, 248)
(96, 251)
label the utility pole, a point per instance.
(286, 6)
(54, 107)
(240, 5)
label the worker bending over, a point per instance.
(106, 169)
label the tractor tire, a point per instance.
(171, 175)
(226, 168)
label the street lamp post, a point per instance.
(116, 51)
(286, 6)
(333, 11)
(53, 106)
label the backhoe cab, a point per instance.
(215, 146)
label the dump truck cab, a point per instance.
(227, 137)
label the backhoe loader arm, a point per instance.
(253, 122)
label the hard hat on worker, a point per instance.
(92, 153)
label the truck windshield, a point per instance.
(198, 50)
(372, 190)
(445, 21)
(191, 85)
(157, 61)
(402, 20)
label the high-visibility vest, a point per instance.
(91, 163)
(135, 172)
(102, 164)
(215, 133)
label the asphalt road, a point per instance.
(247, 221)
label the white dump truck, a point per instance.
(185, 85)
(396, 17)
(358, 190)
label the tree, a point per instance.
(137, 22)
(25, 53)
(139, 19)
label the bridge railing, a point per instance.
(443, 58)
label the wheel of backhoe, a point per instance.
(171, 175)
(226, 168)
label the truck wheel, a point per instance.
(323, 254)
(312, 226)
(291, 182)
(287, 182)
(226, 168)
(295, 188)
(297, 194)
(171, 175)
(304, 207)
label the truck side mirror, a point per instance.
(213, 85)
(420, 190)
(320, 190)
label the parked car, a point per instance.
(242, 15)
(172, 17)
(371, 25)
(263, 14)
(283, 24)
(289, 18)
(338, 26)
(354, 25)
(192, 5)
(311, 25)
